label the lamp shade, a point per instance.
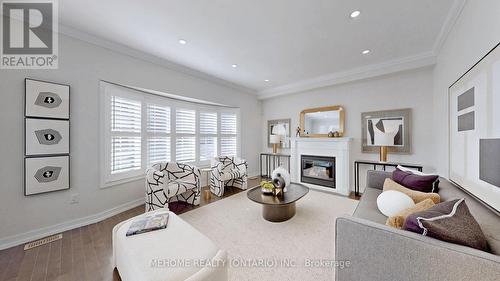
(274, 138)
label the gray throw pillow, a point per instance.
(449, 221)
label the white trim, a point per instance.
(122, 181)
(455, 207)
(449, 23)
(29, 236)
(364, 72)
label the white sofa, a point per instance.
(179, 252)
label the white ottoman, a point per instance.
(179, 252)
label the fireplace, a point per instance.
(319, 170)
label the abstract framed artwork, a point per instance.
(46, 174)
(391, 127)
(279, 127)
(46, 99)
(46, 136)
(474, 130)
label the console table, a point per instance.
(272, 161)
(375, 164)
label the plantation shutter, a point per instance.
(158, 134)
(228, 142)
(125, 135)
(185, 130)
(208, 135)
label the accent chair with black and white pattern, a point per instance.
(168, 182)
(228, 171)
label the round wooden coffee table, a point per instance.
(278, 209)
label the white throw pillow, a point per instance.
(391, 202)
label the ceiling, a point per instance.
(295, 44)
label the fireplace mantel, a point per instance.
(330, 147)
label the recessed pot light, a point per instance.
(234, 65)
(355, 14)
(266, 80)
(182, 41)
(365, 52)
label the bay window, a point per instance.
(140, 129)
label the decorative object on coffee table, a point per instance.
(281, 179)
(389, 128)
(267, 187)
(278, 209)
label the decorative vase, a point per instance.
(281, 178)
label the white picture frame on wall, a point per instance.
(46, 99)
(46, 136)
(474, 130)
(46, 174)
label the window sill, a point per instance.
(109, 184)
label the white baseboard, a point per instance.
(19, 239)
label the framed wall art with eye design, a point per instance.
(46, 174)
(46, 99)
(47, 137)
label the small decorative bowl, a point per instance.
(266, 191)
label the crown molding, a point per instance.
(364, 72)
(125, 50)
(393, 66)
(449, 23)
(369, 71)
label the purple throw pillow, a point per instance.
(423, 183)
(449, 221)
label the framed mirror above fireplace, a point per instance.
(319, 122)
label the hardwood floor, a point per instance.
(83, 253)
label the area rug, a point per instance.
(301, 248)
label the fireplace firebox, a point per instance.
(319, 170)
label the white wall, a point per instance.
(410, 89)
(82, 65)
(476, 32)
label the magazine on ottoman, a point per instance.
(148, 223)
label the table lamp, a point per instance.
(384, 140)
(275, 140)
